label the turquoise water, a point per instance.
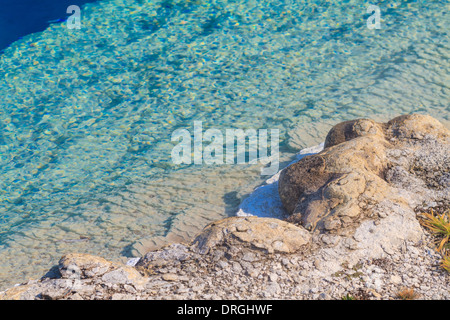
(86, 115)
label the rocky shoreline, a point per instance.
(348, 227)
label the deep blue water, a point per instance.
(21, 17)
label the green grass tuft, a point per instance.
(439, 225)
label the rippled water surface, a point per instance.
(86, 116)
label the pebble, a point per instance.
(169, 277)
(273, 277)
(395, 279)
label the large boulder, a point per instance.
(405, 162)
(267, 234)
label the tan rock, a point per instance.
(268, 234)
(331, 183)
(332, 189)
(417, 126)
(79, 265)
(169, 277)
(14, 293)
(125, 275)
(352, 129)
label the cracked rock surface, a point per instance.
(367, 165)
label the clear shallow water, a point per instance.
(86, 115)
